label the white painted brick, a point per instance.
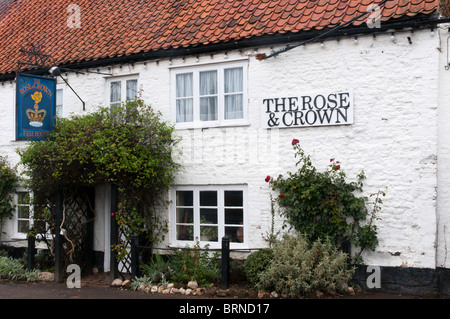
(398, 93)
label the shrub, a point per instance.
(8, 183)
(324, 204)
(197, 264)
(13, 269)
(256, 263)
(298, 268)
(127, 145)
(158, 270)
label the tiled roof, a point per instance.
(125, 27)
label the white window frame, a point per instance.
(123, 87)
(60, 107)
(18, 234)
(220, 215)
(220, 68)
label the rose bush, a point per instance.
(324, 205)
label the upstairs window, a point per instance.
(211, 95)
(121, 90)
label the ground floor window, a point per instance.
(23, 213)
(207, 213)
(23, 218)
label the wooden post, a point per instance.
(134, 256)
(31, 251)
(113, 272)
(58, 238)
(225, 262)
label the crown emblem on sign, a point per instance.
(36, 116)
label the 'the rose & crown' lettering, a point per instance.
(308, 110)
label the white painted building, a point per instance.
(396, 78)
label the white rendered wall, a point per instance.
(394, 138)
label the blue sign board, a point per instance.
(35, 106)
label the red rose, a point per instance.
(295, 141)
(281, 195)
(331, 160)
(338, 167)
(267, 179)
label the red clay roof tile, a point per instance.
(117, 28)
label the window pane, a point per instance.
(234, 106)
(115, 92)
(208, 83)
(234, 198)
(23, 226)
(209, 233)
(185, 198)
(185, 86)
(185, 111)
(132, 90)
(236, 234)
(59, 102)
(185, 232)
(208, 109)
(23, 198)
(234, 81)
(59, 97)
(208, 216)
(23, 212)
(208, 198)
(234, 216)
(185, 215)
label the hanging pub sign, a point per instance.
(35, 106)
(307, 110)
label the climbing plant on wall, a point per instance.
(126, 145)
(9, 180)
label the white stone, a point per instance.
(166, 291)
(117, 282)
(154, 289)
(192, 284)
(142, 287)
(46, 276)
(188, 291)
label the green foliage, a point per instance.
(299, 268)
(142, 280)
(13, 269)
(127, 145)
(8, 184)
(157, 271)
(324, 205)
(197, 264)
(256, 263)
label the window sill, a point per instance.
(206, 125)
(212, 245)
